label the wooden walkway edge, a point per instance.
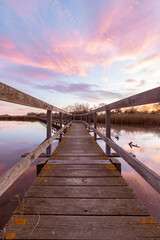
(79, 194)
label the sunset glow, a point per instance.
(67, 51)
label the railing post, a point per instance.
(95, 124)
(108, 130)
(49, 131)
(89, 121)
(66, 119)
(81, 117)
(60, 125)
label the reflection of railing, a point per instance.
(148, 97)
(12, 95)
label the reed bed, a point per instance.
(19, 118)
(138, 118)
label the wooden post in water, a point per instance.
(95, 124)
(108, 130)
(49, 131)
(60, 125)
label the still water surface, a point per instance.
(17, 138)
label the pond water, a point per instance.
(17, 138)
(147, 151)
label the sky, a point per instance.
(86, 51)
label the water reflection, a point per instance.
(17, 138)
(148, 140)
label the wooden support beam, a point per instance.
(60, 124)
(89, 121)
(49, 131)
(108, 130)
(95, 124)
(13, 95)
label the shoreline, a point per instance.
(135, 119)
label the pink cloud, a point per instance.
(122, 30)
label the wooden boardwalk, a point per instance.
(79, 194)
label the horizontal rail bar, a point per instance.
(151, 177)
(147, 97)
(12, 174)
(13, 95)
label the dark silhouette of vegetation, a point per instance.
(18, 118)
(78, 108)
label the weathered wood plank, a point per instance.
(151, 177)
(10, 94)
(79, 158)
(85, 181)
(112, 192)
(12, 174)
(78, 162)
(76, 227)
(75, 206)
(79, 172)
(79, 166)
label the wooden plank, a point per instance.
(80, 207)
(10, 94)
(78, 158)
(79, 166)
(79, 173)
(12, 174)
(151, 177)
(107, 192)
(77, 162)
(85, 181)
(76, 227)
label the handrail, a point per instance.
(151, 177)
(10, 94)
(147, 97)
(7, 179)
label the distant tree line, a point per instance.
(143, 115)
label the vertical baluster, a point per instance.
(95, 124)
(108, 130)
(49, 131)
